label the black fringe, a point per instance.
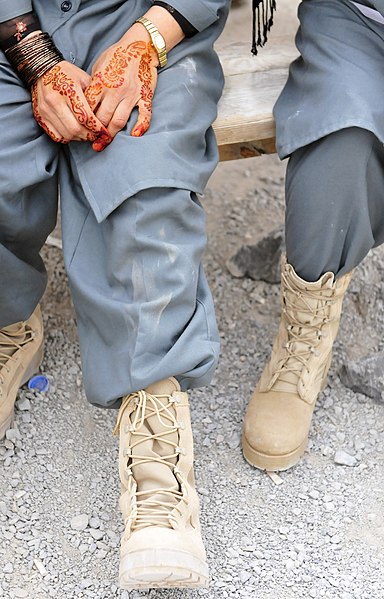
(263, 11)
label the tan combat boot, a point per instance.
(279, 414)
(162, 545)
(21, 353)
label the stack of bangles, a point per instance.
(33, 56)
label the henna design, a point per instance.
(21, 28)
(146, 92)
(65, 86)
(113, 76)
(40, 121)
(102, 141)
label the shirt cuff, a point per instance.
(197, 12)
(9, 9)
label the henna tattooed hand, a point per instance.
(124, 77)
(61, 109)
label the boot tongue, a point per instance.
(305, 308)
(161, 441)
(165, 387)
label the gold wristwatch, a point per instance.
(157, 40)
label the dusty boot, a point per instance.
(21, 353)
(280, 411)
(162, 545)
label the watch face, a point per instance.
(158, 42)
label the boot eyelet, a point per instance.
(127, 452)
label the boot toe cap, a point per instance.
(276, 424)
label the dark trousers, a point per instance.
(335, 203)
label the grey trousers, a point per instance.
(334, 202)
(133, 228)
(144, 309)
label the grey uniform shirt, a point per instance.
(200, 13)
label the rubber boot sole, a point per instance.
(162, 569)
(273, 463)
(31, 369)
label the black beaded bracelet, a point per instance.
(187, 27)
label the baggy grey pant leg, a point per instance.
(144, 309)
(335, 202)
(28, 200)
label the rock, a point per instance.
(289, 564)
(23, 404)
(79, 522)
(95, 522)
(342, 458)
(365, 376)
(8, 568)
(261, 261)
(96, 534)
(12, 434)
(244, 576)
(234, 440)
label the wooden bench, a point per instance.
(245, 126)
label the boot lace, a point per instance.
(303, 337)
(10, 343)
(157, 506)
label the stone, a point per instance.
(96, 533)
(244, 576)
(12, 434)
(261, 261)
(342, 458)
(79, 522)
(365, 376)
(8, 568)
(23, 404)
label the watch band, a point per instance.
(187, 27)
(157, 40)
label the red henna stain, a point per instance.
(65, 86)
(113, 76)
(141, 128)
(102, 140)
(40, 121)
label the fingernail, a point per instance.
(98, 146)
(104, 136)
(138, 132)
(102, 140)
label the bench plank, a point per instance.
(245, 125)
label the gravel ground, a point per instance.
(318, 533)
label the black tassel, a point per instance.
(262, 21)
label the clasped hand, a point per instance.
(71, 105)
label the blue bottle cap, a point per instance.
(38, 383)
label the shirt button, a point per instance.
(66, 6)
